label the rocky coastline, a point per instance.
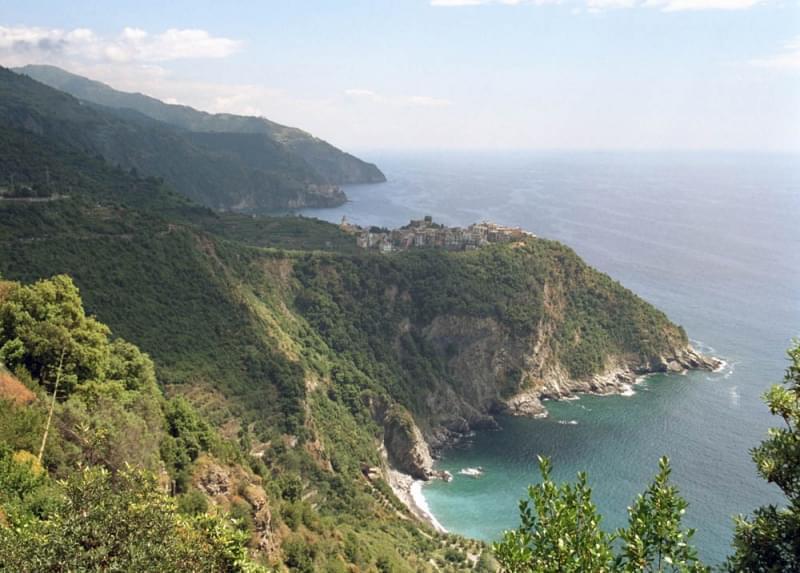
(318, 196)
(618, 379)
(409, 453)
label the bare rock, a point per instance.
(526, 403)
(406, 447)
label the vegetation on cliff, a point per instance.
(131, 480)
(282, 358)
(111, 432)
(292, 346)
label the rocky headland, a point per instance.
(410, 451)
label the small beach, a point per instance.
(409, 491)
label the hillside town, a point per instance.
(424, 233)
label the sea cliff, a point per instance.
(460, 337)
(313, 356)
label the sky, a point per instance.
(447, 74)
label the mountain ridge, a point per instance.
(321, 155)
(250, 173)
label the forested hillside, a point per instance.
(289, 369)
(251, 133)
(230, 171)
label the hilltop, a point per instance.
(424, 233)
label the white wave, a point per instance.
(472, 472)
(723, 364)
(733, 392)
(628, 391)
(422, 504)
(568, 422)
(730, 371)
(701, 346)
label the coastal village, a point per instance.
(424, 233)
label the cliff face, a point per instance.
(480, 353)
(500, 373)
(405, 445)
(461, 337)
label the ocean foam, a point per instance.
(735, 396)
(730, 371)
(422, 504)
(702, 347)
(472, 472)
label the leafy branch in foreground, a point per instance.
(654, 540)
(560, 531)
(770, 540)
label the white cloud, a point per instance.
(427, 101)
(788, 59)
(698, 5)
(457, 3)
(414, 100)
(461, 3)
(357, 92)
(131, 45)
(599, 5)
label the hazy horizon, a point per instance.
(545, 75)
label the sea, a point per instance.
(712, 239)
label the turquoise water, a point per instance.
(711, 239)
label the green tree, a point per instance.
(560, 531)
(120, 522)
(769, 541)
(41, 321)
(24, 490)
(108, 408)
(654, 539)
